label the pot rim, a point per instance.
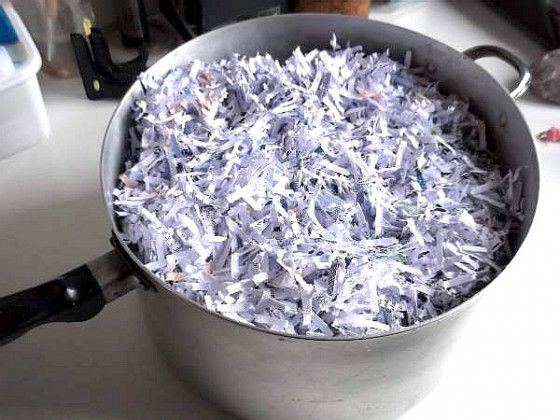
(120, 109)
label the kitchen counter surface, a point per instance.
(52, 218)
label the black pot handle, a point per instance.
(72, 297)
(524, 81)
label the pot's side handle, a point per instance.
(72, 297)
(524, 81)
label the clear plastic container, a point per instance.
(23, 117)
(51, 22)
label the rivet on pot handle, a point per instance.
(481, 51)
(75, 296)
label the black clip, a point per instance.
(101, 77)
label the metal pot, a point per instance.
(260, 374)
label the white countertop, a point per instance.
(506, 365)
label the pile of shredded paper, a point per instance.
(335, 193)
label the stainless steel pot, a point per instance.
(259, 374)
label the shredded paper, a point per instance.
(335, 193)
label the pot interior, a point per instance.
(508, 136)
